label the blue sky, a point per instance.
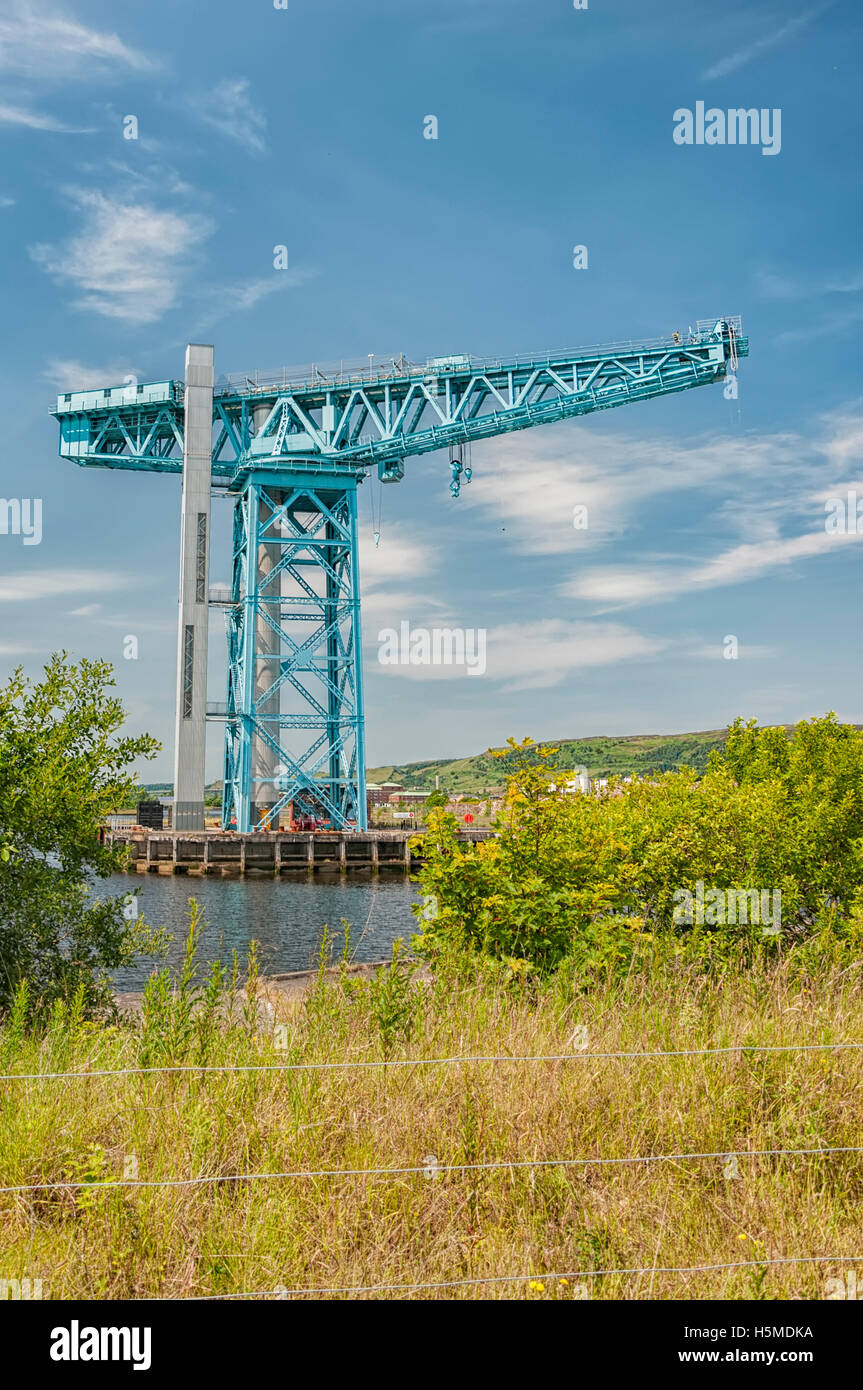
(304, 127)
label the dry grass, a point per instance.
(323, 1233)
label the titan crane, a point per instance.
(291, 450)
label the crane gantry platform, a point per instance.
(292, 448)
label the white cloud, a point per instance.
(538, 478)
(228, 109)
(127, 259)
(741, 57)
(39, 43)
(67, 374)
(387, 572)
(86, 611)
(232, 299)
(638, 584)
(7, 202)
(533, 656)
(36, 120)
(399, 556)
(774, 285)
(16, 588)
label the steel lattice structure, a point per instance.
(292, 448)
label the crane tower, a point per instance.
(291, 449)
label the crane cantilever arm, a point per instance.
(497, 401)
(355, 422)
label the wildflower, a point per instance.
(536, 1286)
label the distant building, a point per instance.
(412, 798)
(379, 793)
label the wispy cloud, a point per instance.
(228, 109)
(540, 654)
(127, 259)
(620, 584)
(38, 584)
(827, 325)
(387, 571)
(38, 42)
(764, 495)
(67, 374)
(37, 120)
(538, 479)
(774, 285)
(743, 56)
(237, 298)
(531, 656)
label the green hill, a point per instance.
(603, 757)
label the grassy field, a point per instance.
(108, 1239)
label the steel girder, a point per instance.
(292, 450)
(344, 420)
(306, 717)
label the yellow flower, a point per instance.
(535, 1284)
(564, 1283)
(743, 1236)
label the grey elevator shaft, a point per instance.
(191, 712)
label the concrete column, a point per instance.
(191, 716)
(267, 656)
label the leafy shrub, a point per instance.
(597, 878)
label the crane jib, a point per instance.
(292, 448)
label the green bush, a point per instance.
(595, 878)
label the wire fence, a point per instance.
(431, 1170)
(398, 1062)
(568, 1275)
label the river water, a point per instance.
(287, 917)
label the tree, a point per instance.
(569, 875)
(63, 767)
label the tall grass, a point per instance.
(108, 1240)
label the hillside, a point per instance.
(603, 757)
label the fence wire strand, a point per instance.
(191, 1068)
(431, 1171)
(282, 1292)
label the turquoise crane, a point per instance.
(291, 449)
